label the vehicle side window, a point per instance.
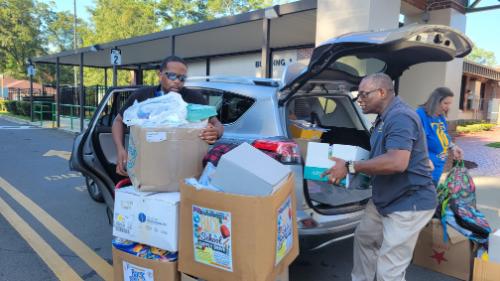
(230, 106)
(112, 107)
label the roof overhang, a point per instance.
(243, 33)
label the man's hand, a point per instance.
(121, 162)
(337, 172)
(431, 165)
(457, 153)
(210, 134)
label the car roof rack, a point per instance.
(237, 79)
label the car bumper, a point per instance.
(329, 232)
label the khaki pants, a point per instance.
(383, 246)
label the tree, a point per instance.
(482, 56)
(177, 13)
(20, 36)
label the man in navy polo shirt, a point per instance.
(172, 75)
(404, 197)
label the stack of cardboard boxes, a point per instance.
(148, 211)
(457, 256)
(246, 231)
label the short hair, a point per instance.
(381, 80)
(436, 97)
(171, 58)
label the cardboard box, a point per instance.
(158, 158)
(453, 258)
(228, 237)
(146, 217)
(349, 152)
(494, 247)
(317, 161)
(486, 270)
(185, 277)
(318, 158)
(127, 267)
(281, 277)
(300, 132)
(246, 170)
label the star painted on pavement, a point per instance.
(438, 256)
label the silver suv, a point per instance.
(322, 93)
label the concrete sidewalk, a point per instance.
(64, 122)
(487, 174)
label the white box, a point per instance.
(147, 217)
(318, 158)
(246, 170)
(494, 247)
(349, 152)
(317, 161)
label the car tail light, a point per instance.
(287, 151)
(308, 223)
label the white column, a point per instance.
(418, 82)
(337, 17)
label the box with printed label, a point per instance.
(158, 158)
(147, 217)
(318, 158)
(128, 267)
(228, 237)
(317, 161)
(453, 257)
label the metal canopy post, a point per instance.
(82, 95)
(105, 79)
(115, 74)
(266, 60)
(58, 93)
(138, 75)
(266, 37)
(31, 89)
(173, 45)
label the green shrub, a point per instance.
(11, 106)
(475, 128)
(24, 108)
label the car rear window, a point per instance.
(230, 106)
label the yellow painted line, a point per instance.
(101, 267)
(59, 153)
(60, 268)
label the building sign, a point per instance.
(116, 57)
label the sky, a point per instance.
(482, 27)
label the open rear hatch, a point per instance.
(321, 93)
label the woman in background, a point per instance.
(432, 114)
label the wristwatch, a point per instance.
(350, 167)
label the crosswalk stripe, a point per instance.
(60, 268)
(101, 267)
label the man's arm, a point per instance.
(392, 162)
(402, 132)
(213, 131)
(117, 131)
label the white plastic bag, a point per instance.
(166, 110)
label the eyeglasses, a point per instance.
(364, 95)
(173, 76)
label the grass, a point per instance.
(494, 144)
(27, 118)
